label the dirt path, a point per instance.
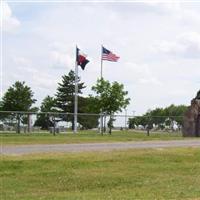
(49, 148)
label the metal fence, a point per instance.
(53, 122)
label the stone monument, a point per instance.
(191, 119)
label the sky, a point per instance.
(158, 44)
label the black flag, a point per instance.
(81, 59)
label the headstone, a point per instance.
(191, 120)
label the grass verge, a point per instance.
(83, 137)
(133, 174)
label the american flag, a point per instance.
(108, 55)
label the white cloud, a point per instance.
(61, 55)
(21, 61)
(61, 59)
(186, 45)
(150, 80)
(9, 22)
(185, 13)
(171, 6)
(169, 47)
(139, 73)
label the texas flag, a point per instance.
(81, 59)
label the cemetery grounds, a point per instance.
(161, 173)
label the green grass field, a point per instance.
(120, 175)
(83, 137)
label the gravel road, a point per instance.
(50, 148)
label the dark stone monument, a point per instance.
(191, 120)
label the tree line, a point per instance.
(107, 98)
(160, 117)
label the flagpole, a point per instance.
(101, 61)
(101, 117)
(76, 94)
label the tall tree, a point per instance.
(48, 105)
(18, 97)
(65, 95)
(88, 105)
(111, 98)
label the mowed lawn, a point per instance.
(120, 175)
(83, 137)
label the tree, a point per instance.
(160, 116)
(88, 105)
(111, 98)
(65, 95)
(175, 113)
(48, 105)
(19, 97)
